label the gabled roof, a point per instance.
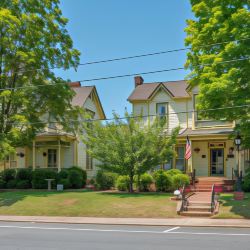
(177, 89)
(82, 94)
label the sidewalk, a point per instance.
(187, 222)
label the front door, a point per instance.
(52, 159)
(217, 161)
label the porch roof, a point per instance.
(205, 132)
(48, 135)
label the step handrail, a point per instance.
(183, 198)
(213, 199)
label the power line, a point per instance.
(138, 56)
(134, 116)
(128, 75)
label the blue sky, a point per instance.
(115, 28)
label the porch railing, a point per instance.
(182, 205)
(213, 199)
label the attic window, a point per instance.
(162, 109)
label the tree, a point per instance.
(129, 147)
(222, 84)
(33, 41)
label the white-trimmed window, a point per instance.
(180, 161)
(162, 110)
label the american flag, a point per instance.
(188, 153)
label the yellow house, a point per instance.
(213, 153)
(56, 149)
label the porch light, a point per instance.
(197, 150)
(237, 140)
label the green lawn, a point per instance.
(229, 208)
(98, 204)
(87, 204)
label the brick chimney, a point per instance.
(74, 84)
(138, 81)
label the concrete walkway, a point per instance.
(189, 222)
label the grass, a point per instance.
(232, 209)
(94, 204)
(98, 204)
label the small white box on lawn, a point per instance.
(59, 187)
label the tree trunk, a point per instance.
(138, 183)
(131, 178)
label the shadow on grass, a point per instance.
(136, 195)
(8, 198)
(241, 208)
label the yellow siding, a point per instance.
(200, 164)
(174, 106)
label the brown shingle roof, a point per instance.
(82, 93)
(143, 92)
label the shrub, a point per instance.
(24, 174)
(174, 171)
(122, 183)
(81, 172)
(163, 181)
(63, 174)
(11, 184)
(179, 180)
(23, 184)
(39, 176)
(145, 181)
(65, 183)
(75, 179)
(246, 182)
(2, 183)
(105, 180)
(9, 174)
(92, 181)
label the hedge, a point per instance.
(73, 177)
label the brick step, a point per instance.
(203, 186)
(203, 190)
(196, 214)
(199, 208)
(210, 183)
(199, 203)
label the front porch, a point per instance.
(49, 150)
(214, 155)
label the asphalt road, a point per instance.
(27, 236)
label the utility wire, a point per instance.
(139, 56)
(134, 116)
(128, 75)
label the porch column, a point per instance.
(59, 155)
(34, 155)
(75, 159)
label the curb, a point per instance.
(107, 221)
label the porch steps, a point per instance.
(198, 205)
(201, 208)
(196, 214)
(204, 184)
